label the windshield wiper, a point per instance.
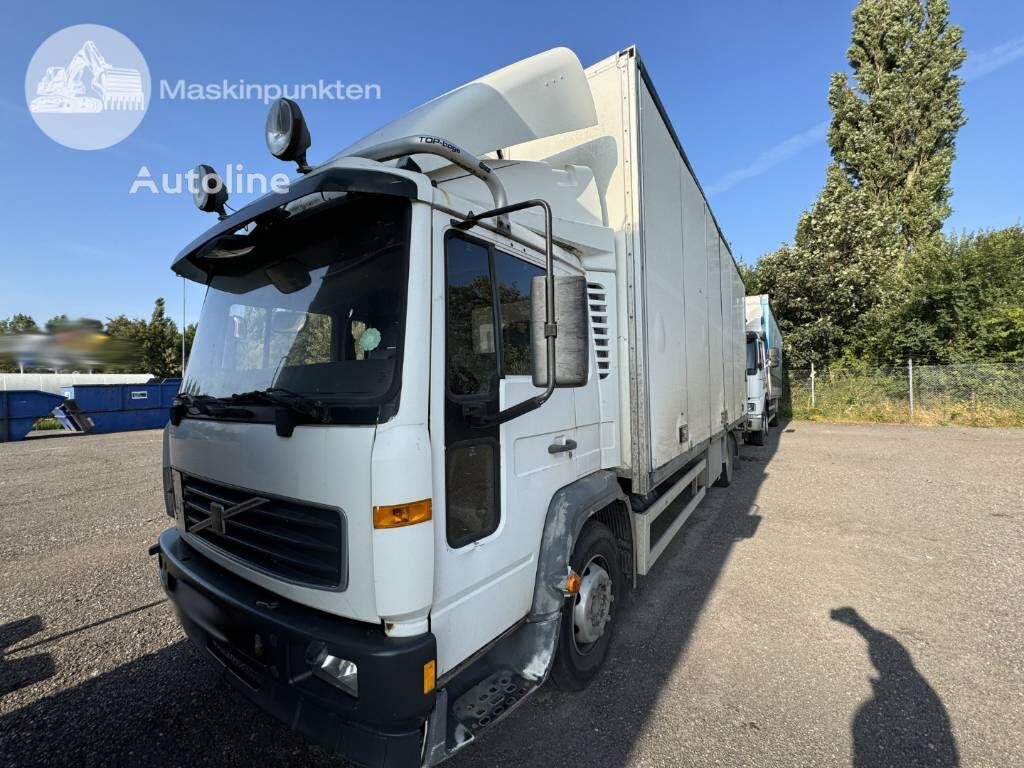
(206, 405)
(285, 398)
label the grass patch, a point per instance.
(883, 397)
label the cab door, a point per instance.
(492, 483)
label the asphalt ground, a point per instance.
(854, 598)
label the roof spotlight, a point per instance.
(209, 193)
(287, 134)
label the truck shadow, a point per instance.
(905, 721)
(170, 708)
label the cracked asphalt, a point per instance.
(854, 598)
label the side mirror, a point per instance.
(773, 357)
(572, 347)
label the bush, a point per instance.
(967, 395)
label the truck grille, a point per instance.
(285, 539)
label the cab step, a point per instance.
(487, 702)
(476, 697)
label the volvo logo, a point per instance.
(219, 515)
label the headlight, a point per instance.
(286, 133)
(339, 672)
(209, 193)
(280, 123)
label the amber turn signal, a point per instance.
(429, 676)
(401, 515)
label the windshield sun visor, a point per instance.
(217, 249)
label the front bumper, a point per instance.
(259, 641)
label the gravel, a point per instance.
(853, 599)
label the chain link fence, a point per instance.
(975, 394)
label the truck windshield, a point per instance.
(314, 306)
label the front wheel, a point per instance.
(588, 617)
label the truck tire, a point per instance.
(757, 438)
(588, 617)
(728, 463)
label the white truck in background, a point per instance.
(451, 393)
(764, 368)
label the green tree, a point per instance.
(56, 322)
(126, 336)
(16, 324)
(750, 278)
(157, 342)
(822, 286)
(20, 323)
(161, 347)
(190, 337)
(893, 132)
(961, 299)
(886, 191)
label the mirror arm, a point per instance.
(512, 412)
(550, 326)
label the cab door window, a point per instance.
(487, 337)
(472, 366)
(471, 381)
(513, 277)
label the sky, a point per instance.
(744, 83)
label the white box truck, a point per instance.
(764, 368)
(451, 393)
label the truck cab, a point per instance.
(764, 368)
(761, 406)
(335, 449)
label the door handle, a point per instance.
(568, 445)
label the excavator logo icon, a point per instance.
(61, 89)
(79, 97)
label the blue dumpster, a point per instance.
(19, 410)
(100, 408)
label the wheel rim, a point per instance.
(592, 608)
